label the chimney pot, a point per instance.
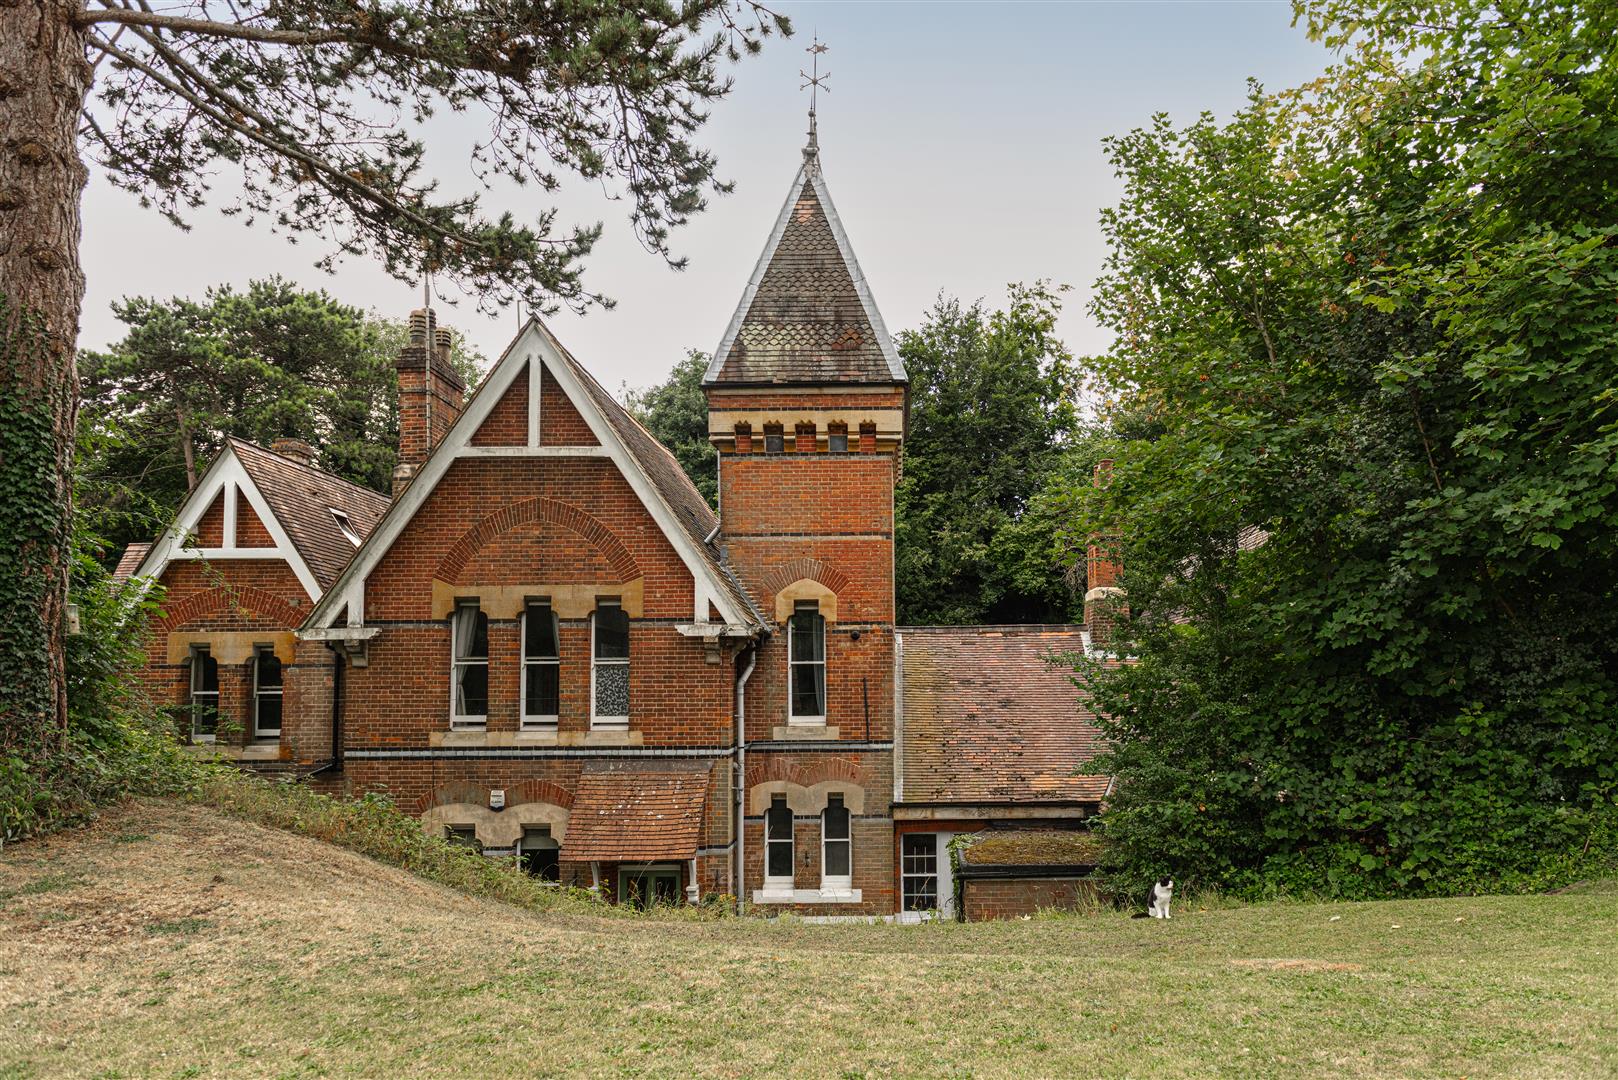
(294, 449)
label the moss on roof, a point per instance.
(1035, 847)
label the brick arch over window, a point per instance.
(828, 768)
(526, 512)
(233, 599)
(805, 569)
(464, 791)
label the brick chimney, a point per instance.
(430, 394)
(1103, 597)
(294, 450)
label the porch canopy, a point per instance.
(637, 815)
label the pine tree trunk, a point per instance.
(44, 79)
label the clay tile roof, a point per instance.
(1034, 847)
(302, 499)
(130, 561)
(807, 314)
(696, 517)
(636, 815)
(987, 718)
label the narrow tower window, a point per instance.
(806, 649)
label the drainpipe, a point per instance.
(336, 762)
(740, 877)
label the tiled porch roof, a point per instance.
(640, 815)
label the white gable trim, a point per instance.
(228, 477)
(861, 286)
(533, 346)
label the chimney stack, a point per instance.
(430, 394)
(1103, 596)
(294, 450)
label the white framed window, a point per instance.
(204, 694)
(778, 844)
(469, 681)
(541, 667)
(918, 871)
(836, 847)
(609, 666)
(346, 526)
(806, 662)
(267, 696)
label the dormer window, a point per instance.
(345, 525)
(774, 441)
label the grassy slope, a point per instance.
(167, 941)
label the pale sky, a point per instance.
(961, 143)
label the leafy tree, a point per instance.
(992, 413)
(676, 411)
(1375, 317)
(308, 107)
(270, 361)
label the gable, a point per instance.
(250, 531)
(560, 395)
(507, 423)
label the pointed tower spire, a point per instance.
(807, 316)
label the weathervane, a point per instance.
(814, 82)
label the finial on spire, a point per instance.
(814, 82)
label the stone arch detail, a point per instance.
(804, 800)
(243, 598)
(550, 511)
(805, 569)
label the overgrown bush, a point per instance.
(118, 743)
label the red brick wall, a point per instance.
(1012, 898)
(559, 422)
(250, 531)
(210, 528)
(225, 596)
(507, 423)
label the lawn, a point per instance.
(169, 941)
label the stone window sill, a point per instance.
(803, 732)
(534, 738)
(806, 896)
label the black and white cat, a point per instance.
(1157, 901)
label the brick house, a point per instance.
(251, 551)
(549, 646)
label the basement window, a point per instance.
(469, 691)
(540, 853)
(609, 666)
(463, 836)
(344, 524)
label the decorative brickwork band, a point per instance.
(526, 512)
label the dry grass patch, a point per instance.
(169, 941)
